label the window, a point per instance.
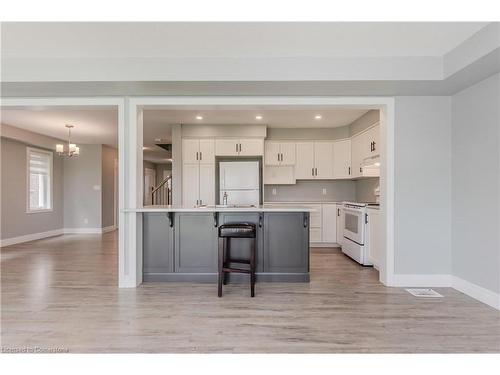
(39, 179)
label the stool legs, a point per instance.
(227, 255)
(221, 264)
(252, 269)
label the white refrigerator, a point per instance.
(240, 181)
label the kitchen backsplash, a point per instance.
(312, 191)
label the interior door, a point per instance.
(287, 150)
(190, 148)
(323, 160)
(190, 184)
(305, 161)
(251, 147)
(342, 159)
(207, 151)
(149, 185)
(272, 154)
(207, 184)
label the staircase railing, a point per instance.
(162, 194)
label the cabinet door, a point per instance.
(278, 175)
(190, 184)
(286, 242)
(287, 150)
(372, 139)
(304, 165)
(195, 243)
(340, 224)
(329, 223)
(251, 147)
(315, 235)
(315, 216)
(356, 154)
(272, 153)
(190, 150)
(226, 147)
(323, 160)
(207, 183)
(157, 244)
(207, 151)
(240, 247)
(342, 159)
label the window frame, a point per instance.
(29, 210)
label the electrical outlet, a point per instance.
(324, 191)
(274, 191)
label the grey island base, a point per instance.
(181, 245)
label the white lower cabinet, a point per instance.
(329, 223)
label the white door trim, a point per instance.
(384, 104)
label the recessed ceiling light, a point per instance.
(317, 117)
(199, 117)
(258, 117)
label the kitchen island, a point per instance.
(180, 243)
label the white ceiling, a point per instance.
(95, 125)
(92, 125)
(275, 117)
(233, 40)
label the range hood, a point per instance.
(371, 167)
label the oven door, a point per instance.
(353, 225)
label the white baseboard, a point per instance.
(30, 237)
(323, 244)
(82, 230)
(425, 281)
(477, 292)
(109, 229)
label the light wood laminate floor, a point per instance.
(62, 293)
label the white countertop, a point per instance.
(261, 208)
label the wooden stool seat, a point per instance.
(234, 231)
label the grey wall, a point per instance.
(475, 184)
(14, 219)
(311, 191)
(82, 188)
(364, 122)
(422, 185)
(109, 155)
(310, 133)
(365, 189)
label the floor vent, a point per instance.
(429, 293)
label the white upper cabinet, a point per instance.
(280, 153)
(323, 160)
(198, 151)
(357, 147)
(372, 137)
(251, 147)
(314, 160)
(364, 145)
(342, 159)
(304, 166)
(239, 147)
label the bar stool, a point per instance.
(226, 233)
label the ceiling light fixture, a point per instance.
(199, 117)
(317, 117)
(258, 117)
(72, 150)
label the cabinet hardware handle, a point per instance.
(366, 218)
(349, 170)
(374, 145)
(312, 171)
(278, 157)
(236, 147)
(201, 156)
(316, 171)
(196, 155)
(170, 219)
(305, 220)
(260, 220)
(240, 147)
(338, 211)
(216, 219)
(360, 169)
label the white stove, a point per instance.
(355, 219)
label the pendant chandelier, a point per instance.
(71, 150)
